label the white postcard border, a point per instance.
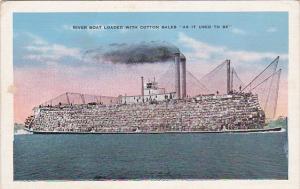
(7, 87)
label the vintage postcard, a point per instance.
(96, 94)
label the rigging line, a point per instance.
(91, 95)
(267, 99)
(276, 95)
(215, 69)
(167, 81)
(242, 83)
(199, 82)
(213, 73)
(169, 69)
(162, 79)
(275, 60)
(266, 79)
(264, 99)
(47, 102)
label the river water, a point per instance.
(151, 156)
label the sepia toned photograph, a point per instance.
(147, 94)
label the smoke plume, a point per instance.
(139, 53)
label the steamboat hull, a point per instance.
(277, 129)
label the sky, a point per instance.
(49, 53)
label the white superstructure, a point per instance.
(150, 93)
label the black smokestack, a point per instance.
(177, 74)
(183, 75)
(145, 52)
(142, 89)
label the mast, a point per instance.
(82, 98)
(68, 100)
(277, 89)
(231, 80)
(228, 76)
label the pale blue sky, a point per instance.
(259, 32)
